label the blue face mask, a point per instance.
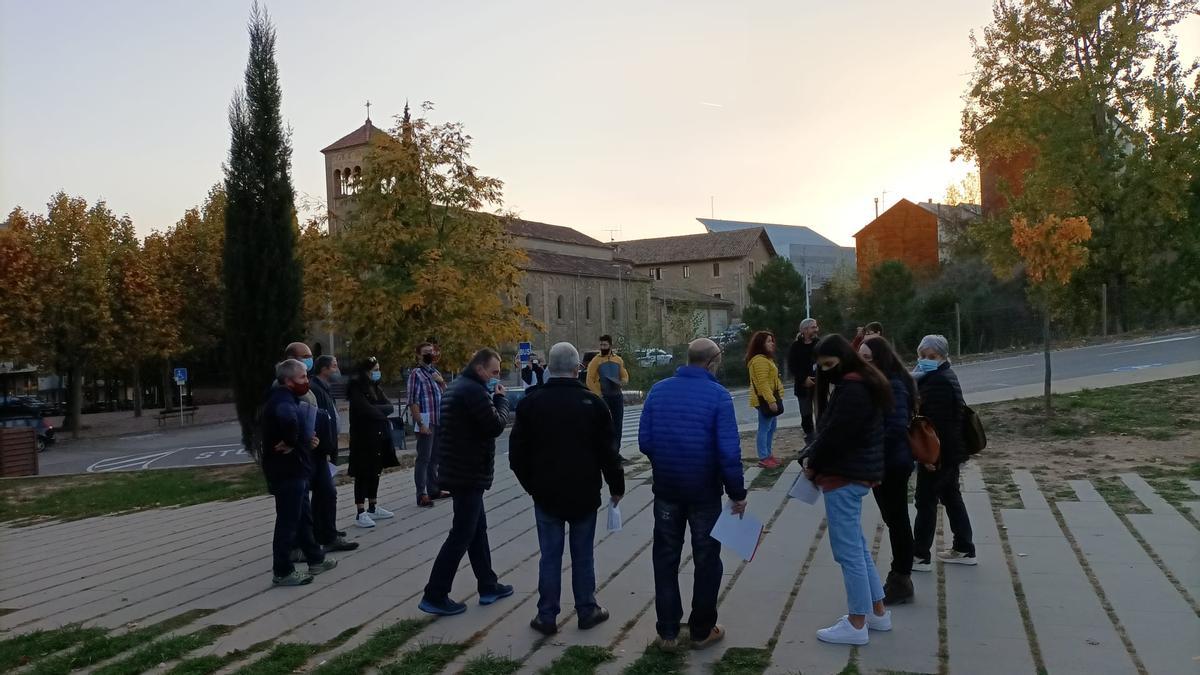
(491, 385)
(928, 365)
(308, 363)
(375, 375)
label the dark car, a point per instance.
(14, 415)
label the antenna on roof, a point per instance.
(612, 232)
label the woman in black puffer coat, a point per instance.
(845, 460)
(371, 448)
(942, 402)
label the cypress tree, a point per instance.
(262, 274)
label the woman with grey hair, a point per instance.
(941, 402)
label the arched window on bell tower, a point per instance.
(337, 182)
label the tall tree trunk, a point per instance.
(1046, 353)
(137, 390)
(74, 400)
(166, 385)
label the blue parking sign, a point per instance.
(180, 375)
(524, 351)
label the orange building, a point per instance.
(1001, 176)
(914, 234)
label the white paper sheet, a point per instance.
(333, 469)
(739, 534)
(804, 490)
(421, 418)
(614, 517)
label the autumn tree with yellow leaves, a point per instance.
(1051, 251)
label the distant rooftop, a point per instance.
(782, 236)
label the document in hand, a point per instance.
(333, 469)
(614, 517)
(308, 420)
(422, 418)
(738, 533)
(804, 490)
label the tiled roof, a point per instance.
(534, 230)
(704, 246)
(571, 265)
(669, 294)
(360, 136)
(958, 212)
(782, 236)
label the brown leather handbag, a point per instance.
(923, 440)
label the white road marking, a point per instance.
(1027, 365)
(138, 438)
(128, 462)
(1144, 366)
(1173, 339)
(1120, 351)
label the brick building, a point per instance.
(914, 234)
(1001, 176)
(717, 264)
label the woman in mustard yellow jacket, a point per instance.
(766, 393)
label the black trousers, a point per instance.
(892, 497)
(293, 525)
(940, 486)
(366, 487)
(804, 397)
(616, 407)
(468, 536)
(324, 501)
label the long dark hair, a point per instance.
(758, 345)
(877, 385)
(885, 358)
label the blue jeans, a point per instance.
(766, 435)
(551, 539)
(670, 521)
(468, 535)
(293, 525)
(843, 511)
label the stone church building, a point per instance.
(574, 285)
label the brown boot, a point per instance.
(898, 590)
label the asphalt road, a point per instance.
(1097, 366)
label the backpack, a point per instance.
(974, 437)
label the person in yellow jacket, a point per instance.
(606, 376)
(766, 391)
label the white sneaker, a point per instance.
(920, 565)
(363, 520)
(380, 513)
(842, 633)
(880, 624)
(952, 557)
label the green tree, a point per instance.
(1096, 91)
(890, 299)
(777, 302)
(261, 272)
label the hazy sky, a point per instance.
(624, 115)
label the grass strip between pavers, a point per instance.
(374, 651)
(658, 661)
(210, 663)
(579, 660)
(743, 661)
(162, 651)
(20, 650)
(102, 648)
(428, 660)
(281, 660)
(489, 664)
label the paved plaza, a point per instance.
(1070, 585)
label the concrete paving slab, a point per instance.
(1031, 496)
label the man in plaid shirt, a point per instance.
(425, 385)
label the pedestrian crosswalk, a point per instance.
(629, 426)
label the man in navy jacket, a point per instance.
(689, 432)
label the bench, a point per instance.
(173, 414)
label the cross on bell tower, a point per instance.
(368, 110)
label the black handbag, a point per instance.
(765, 408)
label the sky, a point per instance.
(622, 119)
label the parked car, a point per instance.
(17, 415)
(651, 357)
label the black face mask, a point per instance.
(605, 352)
(427, 359)
(833, 374)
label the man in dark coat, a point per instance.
(474, 412)
(324, 492)
(800, 365)
(287, 464)
(561, 446)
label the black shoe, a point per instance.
(495, 593)
(898, 590)
(594, 619)
(443, 607)
(545, 628)
(341, 544)
(341, 533)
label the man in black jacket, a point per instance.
(561, 446)
(474, 412)
(324, 492)
(800, 365)
(287, 464)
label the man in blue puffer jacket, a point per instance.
(689, 432)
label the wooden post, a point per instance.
(1046, 352)
(1104, 310)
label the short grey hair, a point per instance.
(289, 369)
(564, 360)
(938, 344)
(808, 323)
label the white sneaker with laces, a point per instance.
(380, 513)
(952, 557)
(363, 520)
(920, 565)
(881, 624)
(843, 633)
